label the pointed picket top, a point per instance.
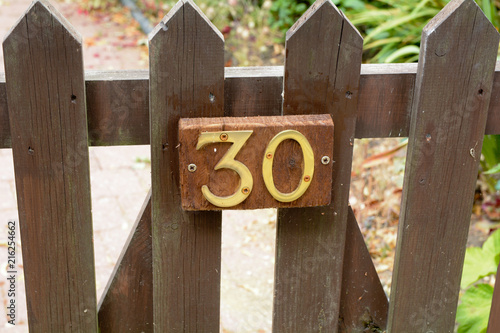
(40, 16)
(322, 70)
(317, 10)
(470, 11)
(459, 46)
(178, 9)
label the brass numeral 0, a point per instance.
(238, 138)
(307, 174)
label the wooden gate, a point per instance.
(169, 271)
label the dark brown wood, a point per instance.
(322, 67)
(385, 96)
(259, 94)
(127, 302)
(46, 93)
(450, 107)
(384, 103)
(494, 322)
(187, 80)
(121, 103)
(364, 304)
(5, 136)
(287, 165)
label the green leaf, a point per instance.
(491, 150)
(398, 22)
(481, 262)
(495, 169)
(354, 4)
(402, 52)
(474, 310)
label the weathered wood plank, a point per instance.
(187, 80)
(259, 94)
(46, 93)
(385, 96)
(363, 304)
(494, 321)
(459, 46)
(286, 162)
(383, 108)
(127, 302)
(5, 136)
(118, 108)
(322, 67)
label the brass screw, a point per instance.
(224, 137)
(245, 190)
(192, 167)
(307, 178)
(269, 155)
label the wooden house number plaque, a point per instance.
(255, 162)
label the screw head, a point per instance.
(269, 156)
(224, 137)
(307, 178)
(192, 167)
(325, 160)
(245, 190)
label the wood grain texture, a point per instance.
(385, 96)
(287, 165)
(259, 94)
(459, 46)
(186, 68)
(5, 136)
(45, 89)
(384, 107)
(322, 66)
(118, 109)
(127, 302)
(494, 321)
(364, 305)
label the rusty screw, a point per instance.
(192, 167)
(224, 137)
(245, 190)
(307, 178)
(269, 156)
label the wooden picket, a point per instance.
(446, 133)
(184, 82)
(168, 276)
(322, 66)
(46, 93)
(494, 322)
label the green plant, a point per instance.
(284, 13)
(490, 162)
(474, 309)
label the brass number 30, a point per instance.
(238, 138)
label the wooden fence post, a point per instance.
(494, 321)
(46, 98)
(186, 80)
(322, 68)
(450, 107)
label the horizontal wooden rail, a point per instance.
(118, 101)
